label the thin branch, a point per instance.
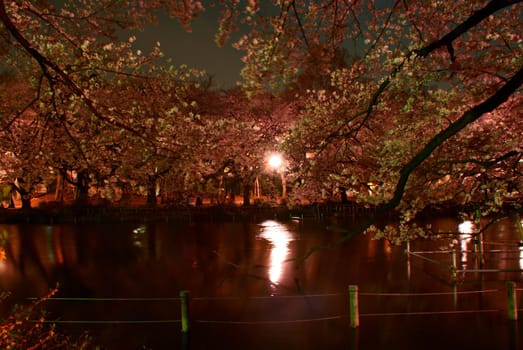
(283, 17)
(446, 40)
(51, 24)
(20, 113)
(486, 164)
(420, 34)
(478, 16)
(298, 20)
(382, 29)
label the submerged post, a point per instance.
(184, 305)
(479, 238)
(519, 226)
(512, 304)
(354, 312)
(454, 266)
(481, 249)
(407, 251)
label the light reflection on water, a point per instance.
(465, 229)
(466, 226)
(138, 234)
(279, 237)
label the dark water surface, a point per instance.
(246, 294)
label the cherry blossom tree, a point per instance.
(403, 109)
(23, 146)
(386, 104)
(80, 74)
(236, 136)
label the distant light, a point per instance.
(275, 161)
(466, 227)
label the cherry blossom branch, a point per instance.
(486, 164)
(46, 64)
(446, 41)
(383, 28)
(20, 113)
(473, 114)
(478, 16)
(298, 20)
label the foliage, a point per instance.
(88, 100)
(415, 117)
(26, 328)
(364, 98)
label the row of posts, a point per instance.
(354, 313)
(478, 249)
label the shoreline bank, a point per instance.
(75, 214)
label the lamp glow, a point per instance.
(275, 161)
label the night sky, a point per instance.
(196, 49)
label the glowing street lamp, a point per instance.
(275, 162)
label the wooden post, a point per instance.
(519, 226)
(407, 251)
(481, 249)
(455, 294)
(184, 305)
(512, 304)
(454, 268)
(353, 306)
(477, 229)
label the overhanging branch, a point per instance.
(47, 65)
(468, 117)
(472, 21)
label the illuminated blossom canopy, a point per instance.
(392, 111)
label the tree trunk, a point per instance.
(26, 201)
(12, 194)
(151, 190)
(12, 199)
(343, 193)
(59, 191)
(220, 198)
(246, 195)
(24, 196)
(257, 189)
(82, 187)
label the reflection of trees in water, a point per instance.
(162, 258)
(157, 255)
(46, 255)
(23, 264)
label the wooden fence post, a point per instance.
(512, 304)
(454, 266)
(353, 306)
(184, 305)
(481, 249)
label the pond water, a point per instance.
(250, 289)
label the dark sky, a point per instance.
(196, 49)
